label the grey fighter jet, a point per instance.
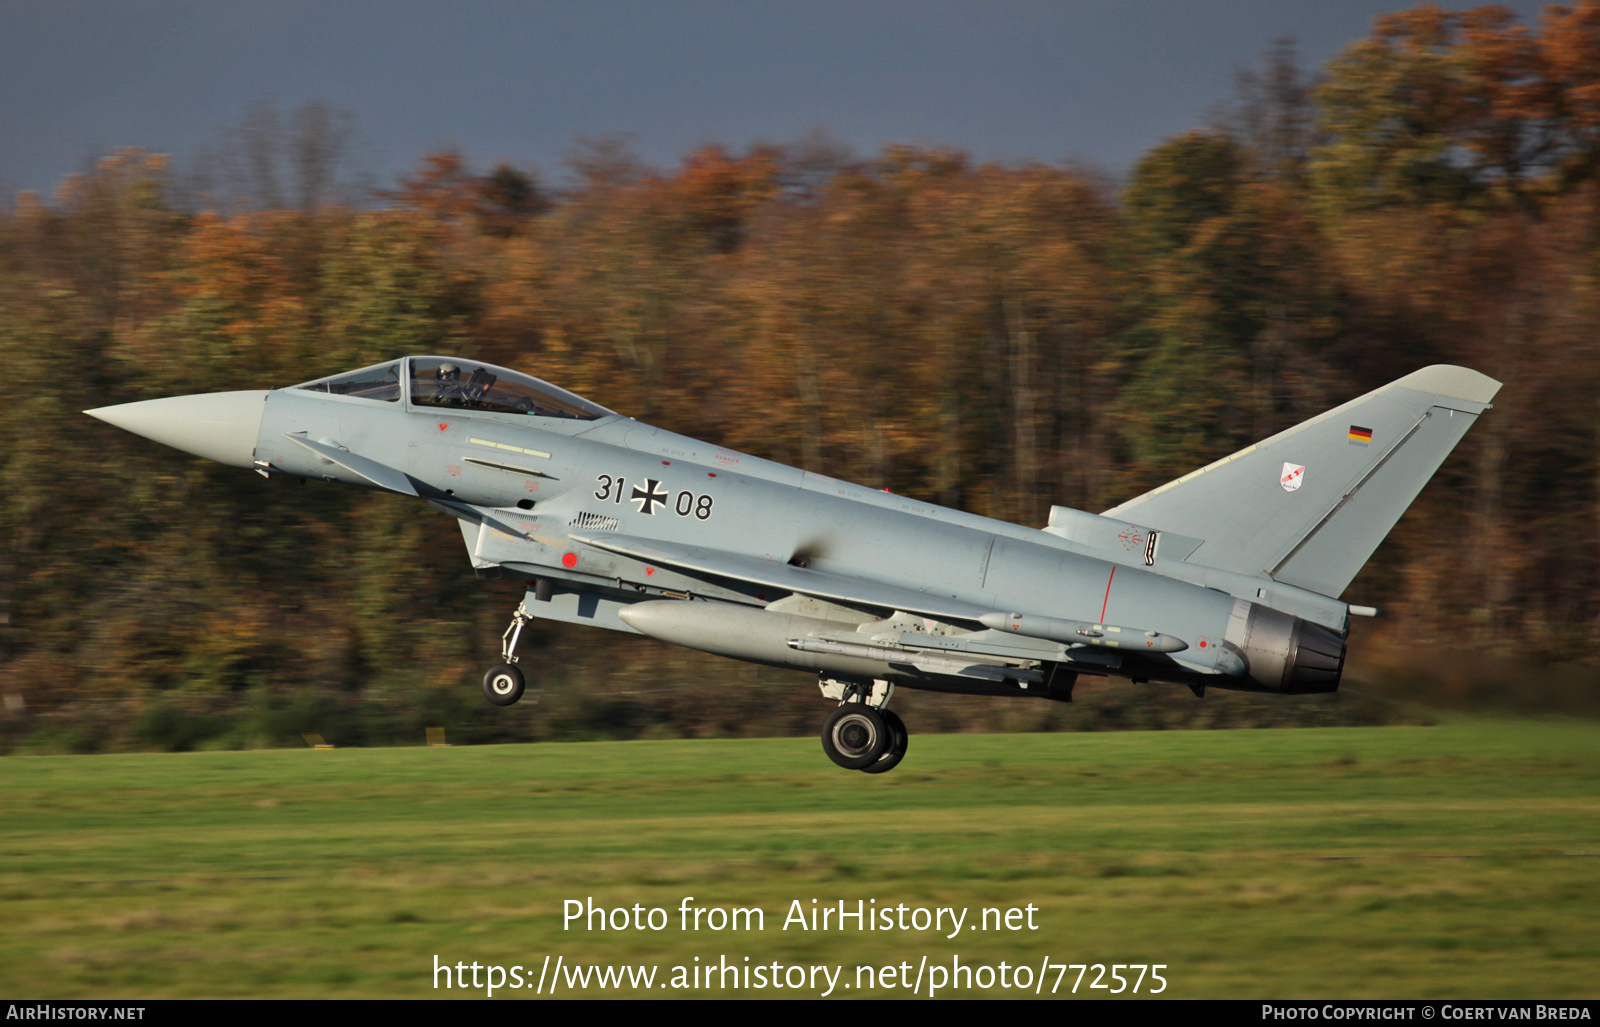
(1228, 577)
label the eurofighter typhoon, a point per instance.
(1228, 577)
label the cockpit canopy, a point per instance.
(467, 384)
(461, 385)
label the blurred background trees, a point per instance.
(993, 337)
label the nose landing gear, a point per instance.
(503, 684)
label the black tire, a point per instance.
(855, 736)
(503, 684)
(899, 741)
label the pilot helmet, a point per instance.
(447, 372)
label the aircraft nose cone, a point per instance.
(220, 426)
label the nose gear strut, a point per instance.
(503, 684)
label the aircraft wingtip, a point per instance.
(1452, 381)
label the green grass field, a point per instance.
(1451, 862)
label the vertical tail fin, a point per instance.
(1308, 506)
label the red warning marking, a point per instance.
(649, 571)
(666, 463)
(1107, 601)
(443, 425)
(569, 560)
(1204, 642)
(711, 474)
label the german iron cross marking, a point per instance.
(649, 496)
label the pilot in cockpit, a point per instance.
(447, 390)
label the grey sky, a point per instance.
(1090, 80)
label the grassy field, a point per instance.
(1450, 862)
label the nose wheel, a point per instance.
(503, 684)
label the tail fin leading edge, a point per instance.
(1308, 506)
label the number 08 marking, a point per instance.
(688, 503)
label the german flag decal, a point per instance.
(1360, 434)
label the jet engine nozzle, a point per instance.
(1289, 655)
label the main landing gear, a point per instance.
(863, 733)
(503, 684)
